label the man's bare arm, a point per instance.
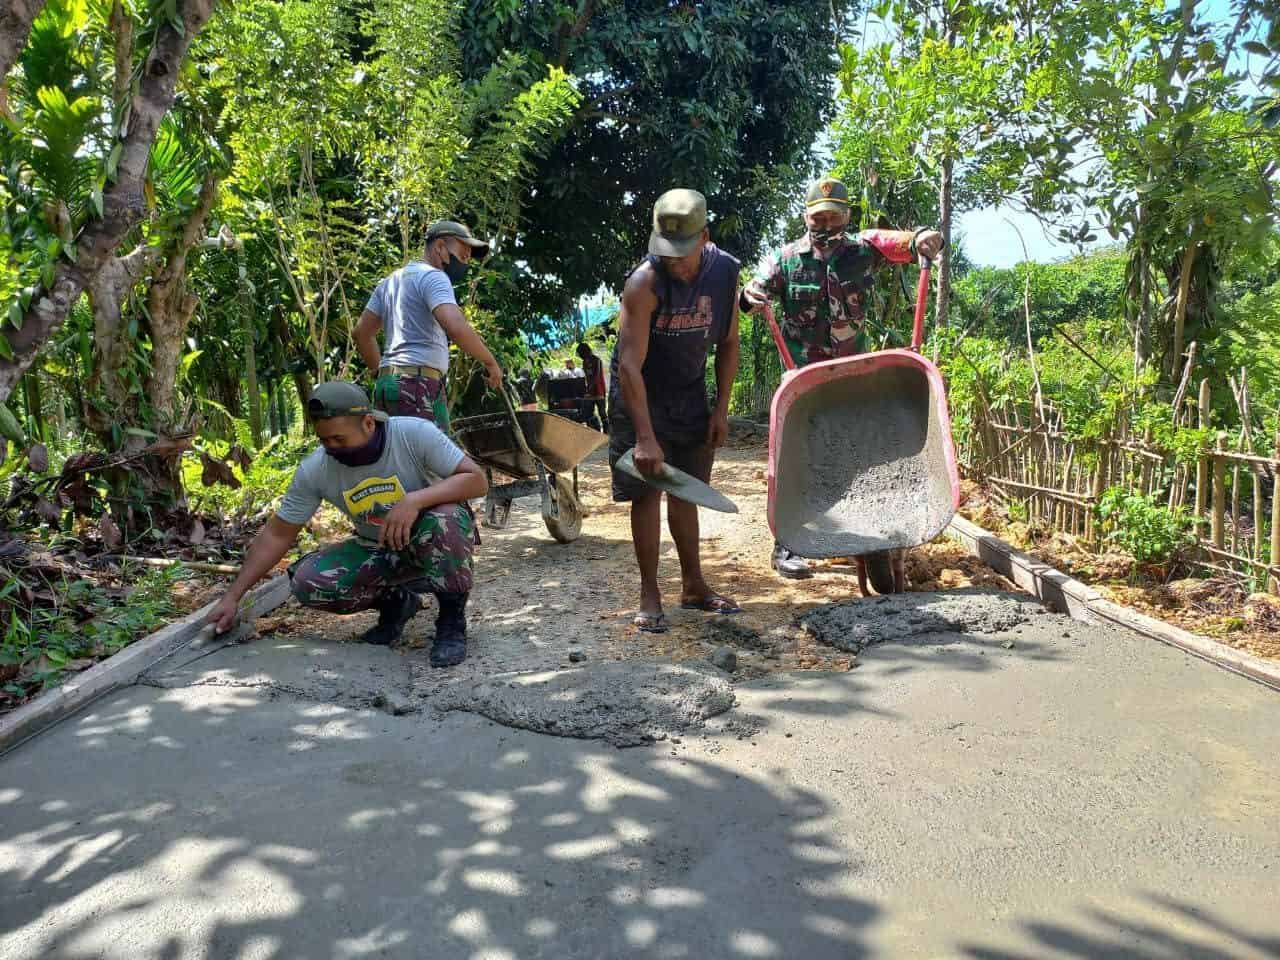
(634, 317)
(366, 337)
(727, 355)
(454, 323)
(268, 548)
(467, 482)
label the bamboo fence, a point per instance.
(1231, 492)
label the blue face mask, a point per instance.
(366, 453)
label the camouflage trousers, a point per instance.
(412, 397)
(351, 575)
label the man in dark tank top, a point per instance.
(676, 306)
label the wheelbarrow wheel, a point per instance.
(880, 571)
(567, 525)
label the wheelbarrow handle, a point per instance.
(922, 301)
(787, 362)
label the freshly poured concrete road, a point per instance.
(1091, 795)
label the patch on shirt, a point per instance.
(372, 499)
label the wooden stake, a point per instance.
(1216, 528)
(1202, 462)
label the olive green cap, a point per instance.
(827, 194)
(338, 398)
(679, 217)
(451, 228)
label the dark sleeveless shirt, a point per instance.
(689, 320)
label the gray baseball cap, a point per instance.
(451, 228)
(679, 217)
(338, 398)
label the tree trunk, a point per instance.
(1142, 316)
(273, 410)
(123, 202)
(251, 381)
(1180, 306)
(170, 307)
(106, 399)
(15, 27)
(944, 258)
(302, 383)
(35, 408)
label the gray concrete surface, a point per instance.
(1082, 793)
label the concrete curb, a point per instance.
(1081, 602)
(126, 666)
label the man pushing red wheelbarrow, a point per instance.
(822, 281)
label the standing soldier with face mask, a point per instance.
(822, 281)
(417, 312)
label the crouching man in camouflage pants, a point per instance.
(405, 487)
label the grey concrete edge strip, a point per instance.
(1082, 602)
(125, 667)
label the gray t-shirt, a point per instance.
(405, 301)
(416, 455)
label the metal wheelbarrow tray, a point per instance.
(537, 449)
(860, 456)
(861, 459)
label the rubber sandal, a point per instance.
(650, 622)
(714, 603)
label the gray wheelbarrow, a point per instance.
(861, 460)
(540, 451)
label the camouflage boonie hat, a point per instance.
(679, 217)
(338, 398)
(827, 194)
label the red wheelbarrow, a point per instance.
(861, 461)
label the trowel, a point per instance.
(678, 484)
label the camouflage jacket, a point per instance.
(824, 301)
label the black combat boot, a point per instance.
(395, 608)
(450, 647)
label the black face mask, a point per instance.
(366, 453)
(455, 269)
(826, 238)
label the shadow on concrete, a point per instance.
(1159, 928)
(226, 823)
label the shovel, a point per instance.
(678, 484)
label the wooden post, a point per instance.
(1275, 520)
(1202, 463)
(1216, 526)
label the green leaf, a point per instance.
(1253, 46)
(139, 432)
(15, 314)
(6, 351)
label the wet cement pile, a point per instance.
(855, 624)
(861, 467)
(625, 703)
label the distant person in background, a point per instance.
(417, 313)
(540, 389)
(524, 389)
(594, 413)
(569, 371)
